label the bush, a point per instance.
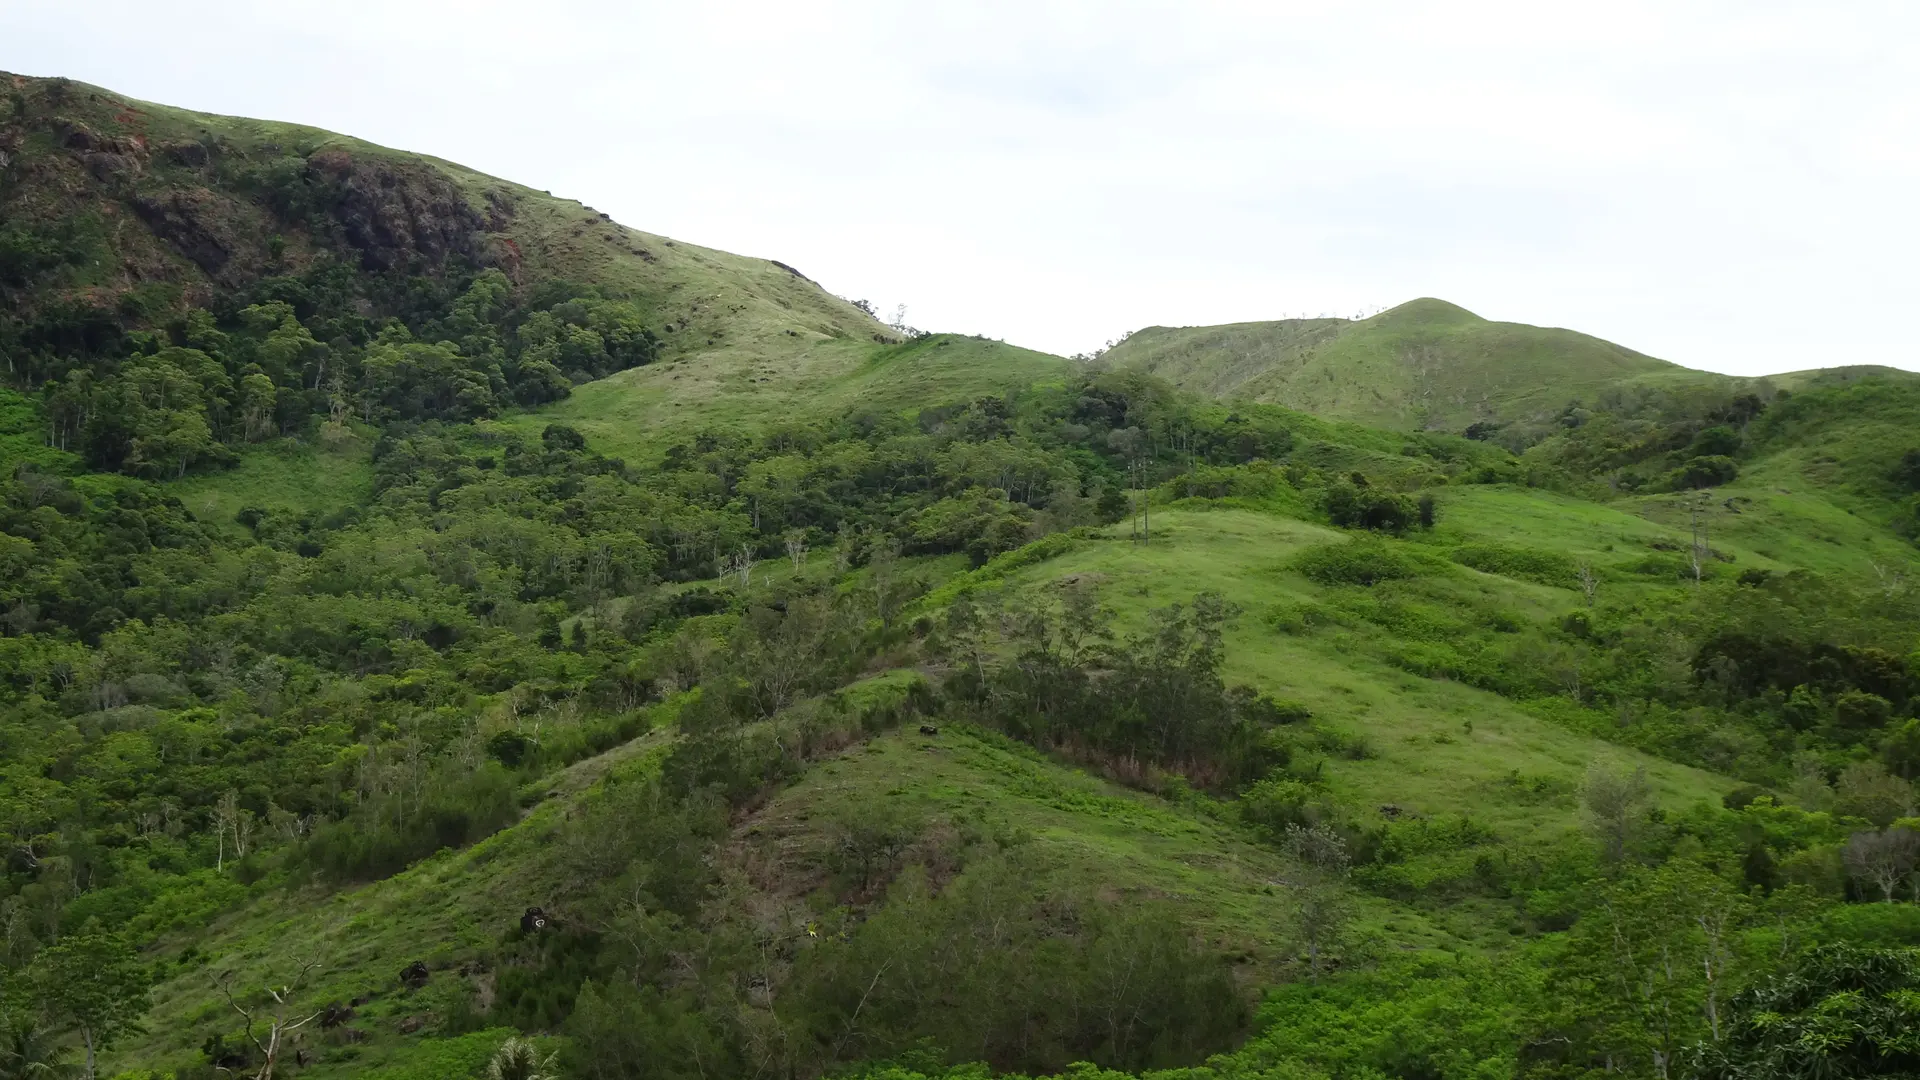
(1353, 506)
(378, 840)
(1907, 473)
(1358, 562)
(1524, 564)
(1004, 968)
(1719, 441)
(1703, 472)
(1277, 803)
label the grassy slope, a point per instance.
(733, 309)
(448, 909)
(1426, 763)
(1424, 364)
(637, 413)
(284, 477)
(440, 911)
(1817, 491)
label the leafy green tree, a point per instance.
(1649, 968)
(1323, 900)
(257, 396)
(150, 419)
(1866, 790)
(1901, 750)
(1841, 1011)
(93, 985)
(1614, 802)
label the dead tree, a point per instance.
(279, 1018)
(1702, 547)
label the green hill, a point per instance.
(1426, 364)
(466, 618)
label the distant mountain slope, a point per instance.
(123, 210)
(1426, 364)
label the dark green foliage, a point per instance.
(293, 355)
(386, 835)
(1353, 503)
(994, 970)
(1526, 564)
(1719, 441)
(1703, 472)
(1907, 473)
(1360, 561)
(1158, 702)
(90, 984)
(1840, 1011)
(619, 1032)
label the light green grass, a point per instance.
(285, 477)
(639, 413)
(442, 911)
(1115, 841)
(1426, 761)
(1424, 364)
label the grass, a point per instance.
(1120, 842)
(443, 911)
(1424, 364)
(638, 413)
(287, 477)
(1425, 759)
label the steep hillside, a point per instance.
(122, 209)
(1426, 364)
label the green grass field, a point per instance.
(1424, 364)
(639, 413)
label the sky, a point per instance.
(1729, 186)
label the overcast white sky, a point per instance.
(1726, 185)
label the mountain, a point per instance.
(476, 620)
(125, 213)
(1425, 365)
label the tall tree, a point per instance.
(92, 985)
(1842, 1011)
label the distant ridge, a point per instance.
(1426, 364)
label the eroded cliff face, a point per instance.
(156, 202)
(397, 215)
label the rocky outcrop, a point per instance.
(398, 214)
(191, 155)
(192, 220)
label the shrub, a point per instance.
(1719, 441)
(379, 839)
(1274, 804)
(1524, 564)
(1354, 506)
(1703, 472)
(1907, 472)
(1358, 562)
